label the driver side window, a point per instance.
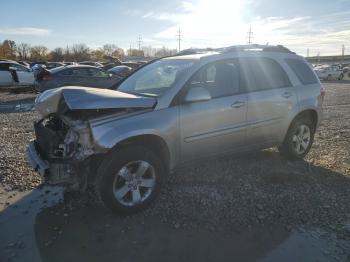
(221, 78)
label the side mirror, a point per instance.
(197, 94)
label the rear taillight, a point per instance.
(47, 77)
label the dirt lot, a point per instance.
(252, 207)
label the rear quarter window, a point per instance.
(302, 71)
(267, 73)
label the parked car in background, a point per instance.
(69, 63)
(39, 70)
(77, 75)
(24, 63)
(171, 112)
(32, 64)
(13, 74)
(108, 66)
(91, 63)
(326, 72)
(52, 65)
(133, 65)
(121, 70)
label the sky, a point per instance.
(321, 26)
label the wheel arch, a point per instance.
(306, 113)
(153, 142)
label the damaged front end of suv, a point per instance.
(65, 151)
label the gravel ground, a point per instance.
(7, 96)
(254, 190)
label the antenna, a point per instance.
(250, 36)
(179, 38)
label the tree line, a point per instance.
(9, 49)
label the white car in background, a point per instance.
(25, 75)
(326, 72)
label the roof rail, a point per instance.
(193, 51)
(263, 48)
(236, 48)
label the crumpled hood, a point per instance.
(85, 98)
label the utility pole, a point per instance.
(318, 57)
(130, 50)
(179, 38)
(307, 52)
(343, 52)
(139, 41)
(250, 36)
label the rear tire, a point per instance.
(299, 139)
(129, 179)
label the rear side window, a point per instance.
(268, 74)
(302, 71)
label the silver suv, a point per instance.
(198, 104)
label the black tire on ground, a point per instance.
(341, 77)
(286, 149)
(329, 77)
(112, 164)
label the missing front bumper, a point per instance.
(38, 164)
(55, 172)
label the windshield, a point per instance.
(156, 78)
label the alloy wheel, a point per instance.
(134, 183)
(301, 139)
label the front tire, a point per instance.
(299, 139)
(129, 179)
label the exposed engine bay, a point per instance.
(66, 147)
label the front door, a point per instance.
(217, 125)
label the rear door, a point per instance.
(271, 98)
(217, 125)
(25, 75)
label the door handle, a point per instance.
(286, 95)
(238, 104)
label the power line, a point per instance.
(250, 36)
(179, 38)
